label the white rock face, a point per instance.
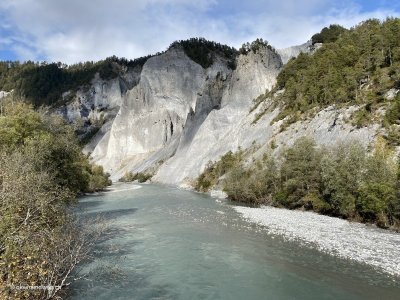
(4, 94)
(173, 116)
(391, 94)
(89, 104)
(290, 52)
(230, 126)
(329, 128)
(154, 112)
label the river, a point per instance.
(166, 243)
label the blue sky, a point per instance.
(74, 30)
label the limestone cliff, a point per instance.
(172, 116)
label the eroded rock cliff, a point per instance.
(172, 116)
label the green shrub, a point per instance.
(301, 170)
(214, 171)
(312, 201)
(343, 181)
(374, 199)
(254, 185)
(98, 179)
(139, 176)
(393, 135)
(328, 34)
(341, 177)
(378, 186)
(52, 140)
(392, 115)
(42, 169)
(143, 177)
(362, 117)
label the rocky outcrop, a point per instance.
(230, 126)
(172, 97)
(92, 106)
(4, 94)
(290, 52)
(103, 96)
(172, 116)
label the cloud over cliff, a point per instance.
(74, 30)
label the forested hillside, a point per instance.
(44, 83)
(357, 67)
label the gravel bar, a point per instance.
(363, 243)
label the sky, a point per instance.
(71, 31)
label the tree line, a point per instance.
(44, 83)
(204, 52)
(343, 181)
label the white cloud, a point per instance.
(76, 30)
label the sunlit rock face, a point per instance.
(102, 97)
(172, 116)
(154, 112)
(4, 94)
(287, 53)
(229, 126)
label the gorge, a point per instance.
(313, 127)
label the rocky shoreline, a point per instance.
(359, 242)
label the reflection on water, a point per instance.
(164, 243)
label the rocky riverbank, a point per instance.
(362, 243)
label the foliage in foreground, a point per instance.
(343, 181)
(42, 170)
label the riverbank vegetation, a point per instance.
(138, 176)
(344, 181)
(42, 170)
(214, 170)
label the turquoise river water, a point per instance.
(165, 243)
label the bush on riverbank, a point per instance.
(42, 170)
(344, 181)
(214, 170)
(139, 176)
